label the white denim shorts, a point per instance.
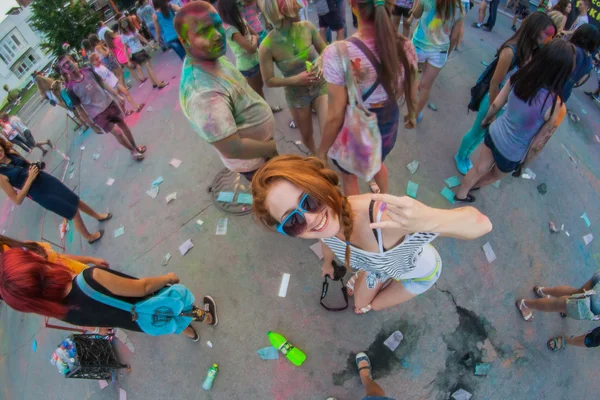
(435, 58)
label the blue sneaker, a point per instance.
(462, 165)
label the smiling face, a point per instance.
(283, 198)
(203, 34)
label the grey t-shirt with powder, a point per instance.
(89, 94)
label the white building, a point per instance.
(20, 51)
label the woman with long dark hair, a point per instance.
(516, 52)
(132, 42)
(32, 284)
(586, 40)
(385, 66)
(534, 111)
(437, 34)
(386, 238)
(44, 189)
(290, 46)
(559, 14)
(163, 25)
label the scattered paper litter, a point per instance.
(199, 222)
(562, 227)
(597, 138)
(285, 281)
(489, 252)
(569, 154)
(34, 346)
(244, 198)
(71, 175)
(222, 226)
(531, 174)
(453, 181)
(148, 109)
(317, 249)
(102, 384)
(153, 192)
(567, 233)
(82, 148)
(268, 353)
(12, 208)
(586, 219)
(158, 181)
(482, 369)
(166, 259)
(209, 344)
(583, 111)
(110, 181)
(185, 247)
(225, 197)
(119, 231)
(411, 189)
(448, 194)
(525, 176)
(432, 107)
(175, 163)
(122, 394)
(96, 156)
(394, 340)
(298, 142)
(587, 239)
(461, 394)
(122, 336)
(413, 166)
(171, 197)
(496, 184)
(552, 227)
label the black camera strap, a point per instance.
(339, 272)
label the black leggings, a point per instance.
(20, 141)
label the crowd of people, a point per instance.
(357, 87)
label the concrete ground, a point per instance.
(471, 308)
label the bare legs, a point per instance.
(482, 9)
(429, 75)
(371, 388)
(80, 225)
(378, 298)
(189, 331)
(120, 75)
(124, 136)
(303, 118)
(256, 83)
(350, 182)
(483, 173)
(556, 300)
(123, 90)
(153, 78)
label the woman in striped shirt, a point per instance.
(386, 238)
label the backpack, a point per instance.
(161, 314)
(483, 83)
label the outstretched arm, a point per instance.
(410, 215)
(133, 287)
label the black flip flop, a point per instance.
(196, 337)
(98, 238)
(468, 199)
(109, 216)
(210, 306)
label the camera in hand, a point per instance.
(41, 165)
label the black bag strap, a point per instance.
(337, 268)
(374, 62)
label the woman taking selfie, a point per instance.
(44, 189)
(386, 238)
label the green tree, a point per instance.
(63, 21)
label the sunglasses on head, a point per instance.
(295, 224)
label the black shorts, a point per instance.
(140, 57)
(592, 339)
(505, 165)
(401, 11)
(332, 20)
(109, 117)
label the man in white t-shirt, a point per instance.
(582, 19)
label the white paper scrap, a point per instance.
(102, 384)
(587, 239)
(110, 181)
(317, 249)
(489, 253)
(200, 222)
(153, 192)
(175, 163)
(171, 197)
(186, 246)
(285, 281)
(119, 231)
(122, 394)
(166, 259)
(209, 344)
(530, 173)
(222, 226)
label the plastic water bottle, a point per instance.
(210, 377)
(294, 354)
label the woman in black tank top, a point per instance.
(29, 283)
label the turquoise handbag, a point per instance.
(168, 311)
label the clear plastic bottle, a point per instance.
(210, 377)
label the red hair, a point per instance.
(29, 283)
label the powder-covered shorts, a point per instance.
(303, 96)
(434, 58)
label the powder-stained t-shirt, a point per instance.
(250, 13)
(243, 60)
(89, 94)
(145, 13)
(106, 75)
(218, 102)
(432, 33)
(364, 72)
(133, 42)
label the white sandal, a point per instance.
(520, 304)
(539, 292)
